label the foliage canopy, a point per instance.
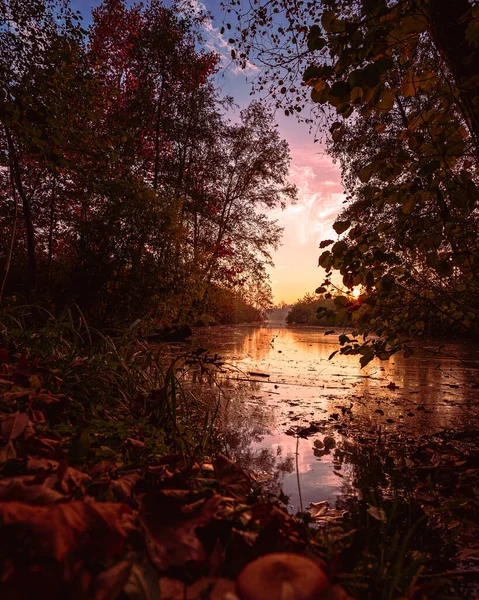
(397, 85)
(125, 187)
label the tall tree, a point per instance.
(125, 188)
(35, 38)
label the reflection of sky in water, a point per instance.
(433, 393)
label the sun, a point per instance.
(356, 293)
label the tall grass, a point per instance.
(112, 376)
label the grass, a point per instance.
(119, 386)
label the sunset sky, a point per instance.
(318, 179)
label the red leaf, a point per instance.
(64, 532)
(26, 489)
(170, 528)
(4, 356)
(123, 487)
(232, 479)
(14, 425)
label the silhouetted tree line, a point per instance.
(124, 187)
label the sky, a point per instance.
(320, 194)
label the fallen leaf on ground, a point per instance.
(231, 478)
(170, 528)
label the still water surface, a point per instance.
(429, 392)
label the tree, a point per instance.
(233, 237)
(34, 38)
(405, 133)
(126, 190)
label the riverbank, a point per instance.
(99, 442)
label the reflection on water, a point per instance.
(427, 393)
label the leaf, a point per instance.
(332, 354)
(366, 359)
(444, 268)
(25, 489)
(341, 226)
(326, 243)
(8, 452)
(14, 425)
(123, 487)
(409, 86)
(327, 17)
(386, 102)
(340, 89)
(356, 94)
(339, 248)
(61, 532)
(170, 526)
(408, 205)
(326, 260)
(370, 75)
(143, 583)
(377, 513)
(235, 481)
(365, 173)
(35, 382)
(472, 32)
(341, 301)
(321, 513)
(109, 584)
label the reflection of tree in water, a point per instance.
(242, 420)
(244, 427)
(371, 470)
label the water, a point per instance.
(419, 396)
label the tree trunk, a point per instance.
(159, 114)
(8, 260)
(51, 228)
(27, 217)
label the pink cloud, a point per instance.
(310, 220)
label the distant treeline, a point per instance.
(305, 310)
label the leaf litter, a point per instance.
(81, 521)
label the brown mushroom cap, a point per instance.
(281, 576)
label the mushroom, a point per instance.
(281, 576)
